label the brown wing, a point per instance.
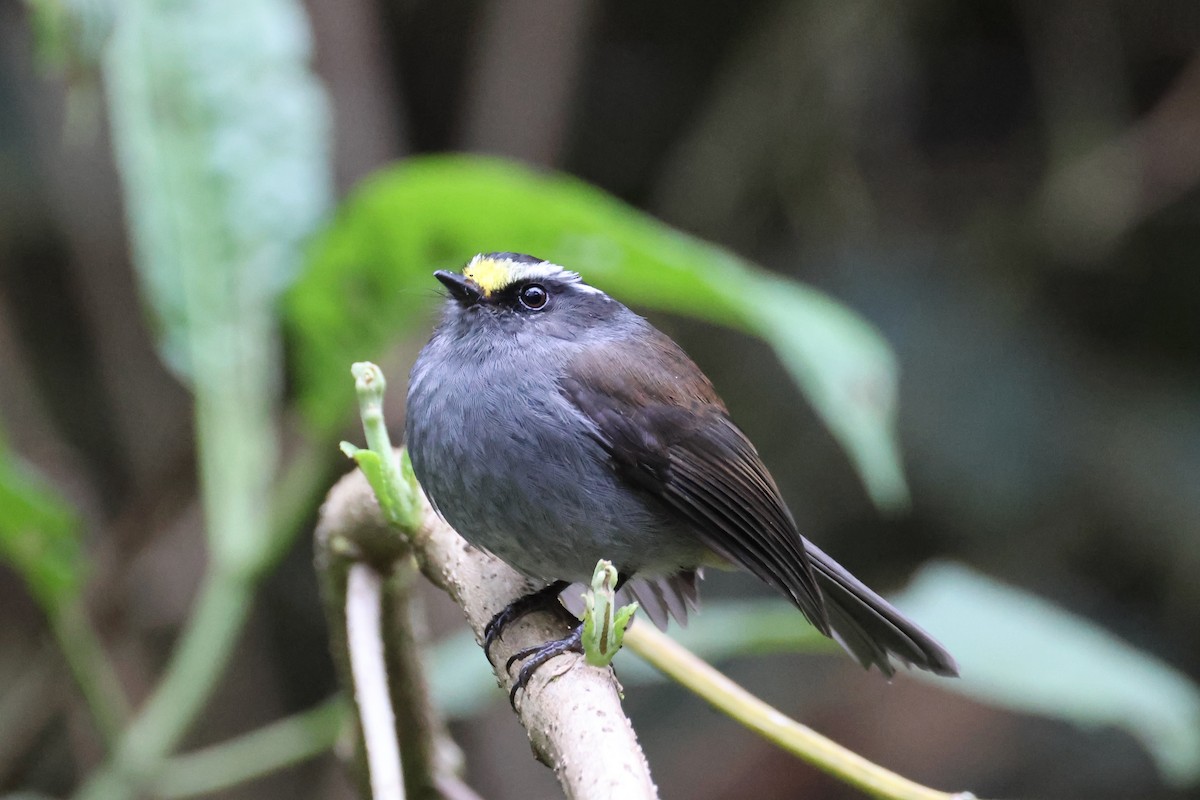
(669, 434)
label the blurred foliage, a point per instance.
(39, 532)
(220, 130)
(71, 34)
(1020, 175)
(221, 196)
(369, 281)
(1020, 652)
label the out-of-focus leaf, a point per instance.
(369, 280)
(1020, 652)
(221, 134)
(39, 533)
(460, 679)
(70, 34)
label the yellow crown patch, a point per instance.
(496, 272)
(489, 274)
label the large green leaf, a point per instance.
(39, 533)
(221, 135)
(1020, 652)
(369, 280)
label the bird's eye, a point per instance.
(533, 296)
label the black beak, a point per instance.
(461, 289)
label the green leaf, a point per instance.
(369, 281)
(1020, 652)
(220, 130)
(39, 533)
(221, 137)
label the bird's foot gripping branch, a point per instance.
(571, 710)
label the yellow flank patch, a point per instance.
(489, 274)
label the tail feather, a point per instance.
(661, 598)
(870, 628)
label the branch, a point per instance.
(571, 712)
(366, 571)
(364, 642)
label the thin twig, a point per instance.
(365, 634)
(352, 536)
(431, 758)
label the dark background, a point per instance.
(1007, 189)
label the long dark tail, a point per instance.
(869, 627)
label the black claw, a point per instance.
(546, 597)
(572, 642)
(521, 655)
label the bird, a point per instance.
(552, 426)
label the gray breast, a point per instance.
(509, 463)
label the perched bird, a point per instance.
(553, 427)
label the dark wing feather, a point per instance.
(668, 433)
(871, 628)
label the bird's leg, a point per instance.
(544, 599)
(539, 655)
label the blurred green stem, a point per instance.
(254, 754)
(298, 490)
(204, 647)
(680, 665)
(231, 430)
(92, 670)
(363, 608)
(197, 663)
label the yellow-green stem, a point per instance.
(677, 663)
